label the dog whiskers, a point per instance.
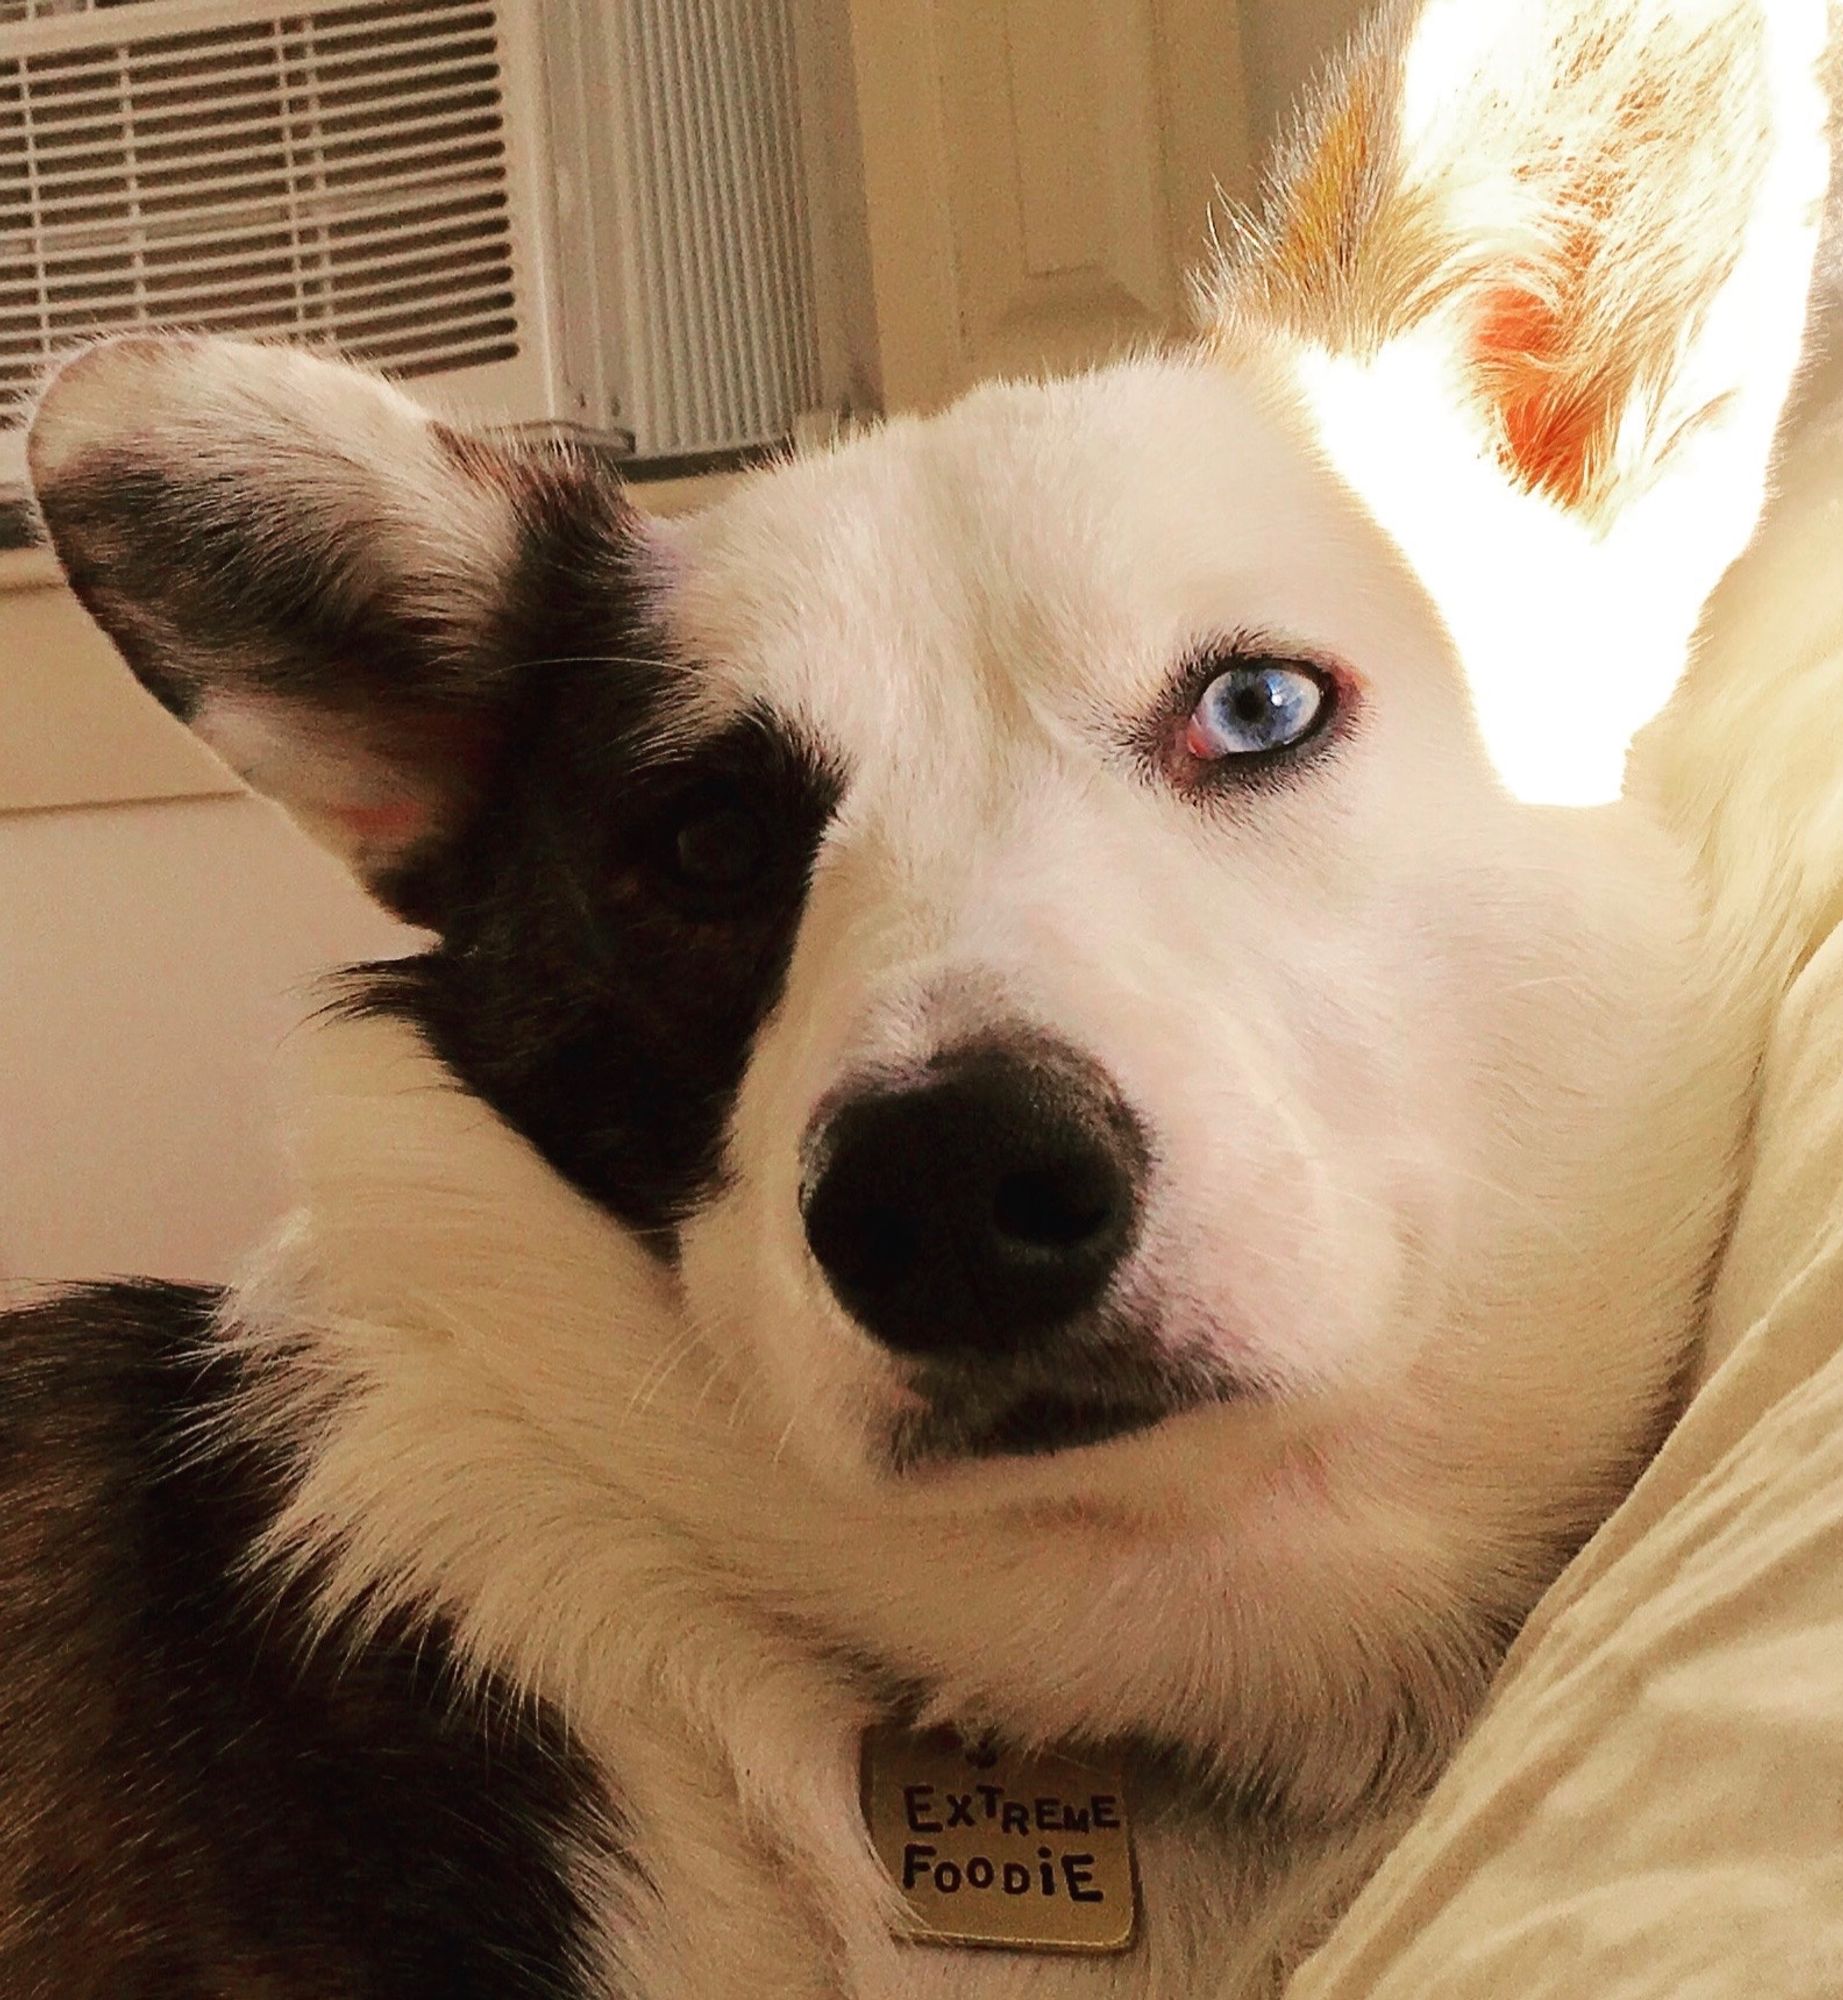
(647, 1389)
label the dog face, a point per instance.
(1117, 1066)
(1069, 929)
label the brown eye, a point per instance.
(718, 848)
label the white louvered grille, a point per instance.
(712, 216)
(57, 10)
(337, 174)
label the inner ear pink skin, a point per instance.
(400, 822)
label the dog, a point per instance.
(1055, 1142)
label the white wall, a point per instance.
(151, 959)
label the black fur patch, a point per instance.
(193, 1802)
(1103, 1378)
(603, 1007)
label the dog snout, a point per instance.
(981, 1206)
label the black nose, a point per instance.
(980, 1206)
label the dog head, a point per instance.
(1077, 931)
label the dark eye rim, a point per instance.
(1161, 743)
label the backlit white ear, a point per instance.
(1543, 268)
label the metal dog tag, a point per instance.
(989, 1847)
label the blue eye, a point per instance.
(1254, 707)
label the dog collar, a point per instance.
(1001, 1848)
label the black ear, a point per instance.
(336, 592)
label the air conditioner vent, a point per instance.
(337, 175)
(58, 10)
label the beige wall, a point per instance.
(151, 959)
(1283, 44)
